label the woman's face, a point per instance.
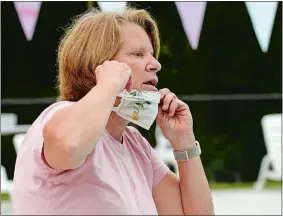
(137, 52)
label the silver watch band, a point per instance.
(188, 153)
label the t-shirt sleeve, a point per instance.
(159, 167)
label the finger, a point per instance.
(167, 100)
(173, 106)
(164, 92)
(182, 106)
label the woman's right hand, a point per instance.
(114, 73)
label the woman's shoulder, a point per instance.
(134, 132)
(35, 132)
(52, 109)
(32, 143)
(46, 115)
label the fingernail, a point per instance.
(164, 107)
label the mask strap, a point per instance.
(121, 95)
(115, 109)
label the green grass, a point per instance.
(5, 196)
(246, 185)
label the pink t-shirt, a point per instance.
(115, 178)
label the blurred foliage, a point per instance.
(227, 61)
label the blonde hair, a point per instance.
(93, 38)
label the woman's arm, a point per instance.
(72, 133)
(191, 194)
(188, 196)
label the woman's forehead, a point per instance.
(134, 35)
(133, 31)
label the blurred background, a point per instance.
(224, 59)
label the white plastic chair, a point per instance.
(271, 127)
(9, 124)
(165, 150)
(17, 141)
(8, 121)
(6, 184)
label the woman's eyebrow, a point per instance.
(145, 49)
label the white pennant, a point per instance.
(262, 16)
(192, 15)
(113, 6)
(28, 15)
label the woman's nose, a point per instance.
(153, 66)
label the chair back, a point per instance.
(272, 132)
(8, 121)
(17, 141)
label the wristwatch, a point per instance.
(186, 154)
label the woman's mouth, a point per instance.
(150, 85)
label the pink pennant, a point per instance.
(192, 14)
(28, 15)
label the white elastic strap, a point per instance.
(121, 94)
(114, 109)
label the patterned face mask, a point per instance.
(138, 107)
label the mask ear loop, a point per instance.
(115, 109)
(121, 94)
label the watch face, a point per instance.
(181, 155)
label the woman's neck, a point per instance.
(116, 126)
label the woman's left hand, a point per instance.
(175, 120)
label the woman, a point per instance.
(81, 157)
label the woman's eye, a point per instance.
(139, 54)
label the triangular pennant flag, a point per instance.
(262, 16)
(113, 6)
(28, 15)
(192, 14)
